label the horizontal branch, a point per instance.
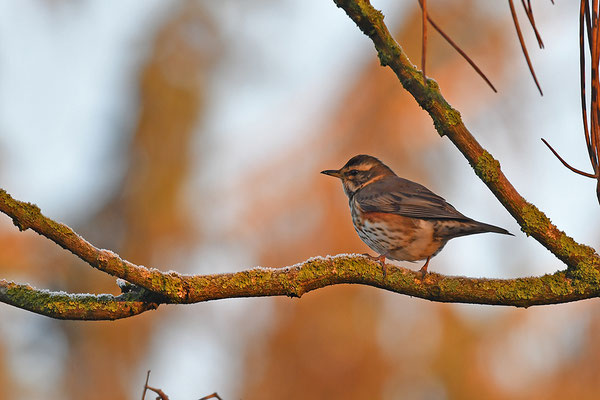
(63, 305)
(150, 287)
(448, 122)
(299, 279)
(320, 272)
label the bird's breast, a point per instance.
(395, 236)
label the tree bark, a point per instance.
(150, 287)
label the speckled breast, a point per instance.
(395, 236)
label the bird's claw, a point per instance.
(423, 269)
(380, 259)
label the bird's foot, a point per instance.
(381, 260)
(423, 269)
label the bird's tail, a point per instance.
(481, 227)
(456, 228)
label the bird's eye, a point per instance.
(352, 172)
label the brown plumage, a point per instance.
(398, 218)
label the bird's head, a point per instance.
(360, 171)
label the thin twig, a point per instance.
(595, 87)
(523, 47)
(577, 171)
(583, 12)
(460, 51)
(588, 23)
(424, 37)
(211, 396)
(529, 13)
(146, 385)
(161, 395)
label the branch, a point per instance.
(62, 305)
(28, 216)
(146, 385)
(458, 50)
(424, 16)
(161, 395)
(580, 259)
(529, 12)
(581, 280)
(566, 164)
(522, 42)
(214, 395)
(293, 281)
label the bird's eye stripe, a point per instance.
(362, 167)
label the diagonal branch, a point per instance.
(27, 215)
(448, 122)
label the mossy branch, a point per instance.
(448, 122)
(63, 305)
(150, 287)
(147, 288)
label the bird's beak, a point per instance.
(332, 172)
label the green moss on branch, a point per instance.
(61, 305)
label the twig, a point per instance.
(577, 171)
(591, 128)
(211, 396)
(588, 22)
(582, 15)
(594, 105)
(160, 393)
(529, 13)
(424, 37)
(523, 47)
(146, 385)
(460, 51)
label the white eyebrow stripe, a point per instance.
(362, 167)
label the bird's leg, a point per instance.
(380, 259)
(423, 269)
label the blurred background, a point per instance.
(189, 136)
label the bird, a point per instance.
(400, 219)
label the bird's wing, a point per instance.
(400, 196)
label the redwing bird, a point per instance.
(400, 219)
